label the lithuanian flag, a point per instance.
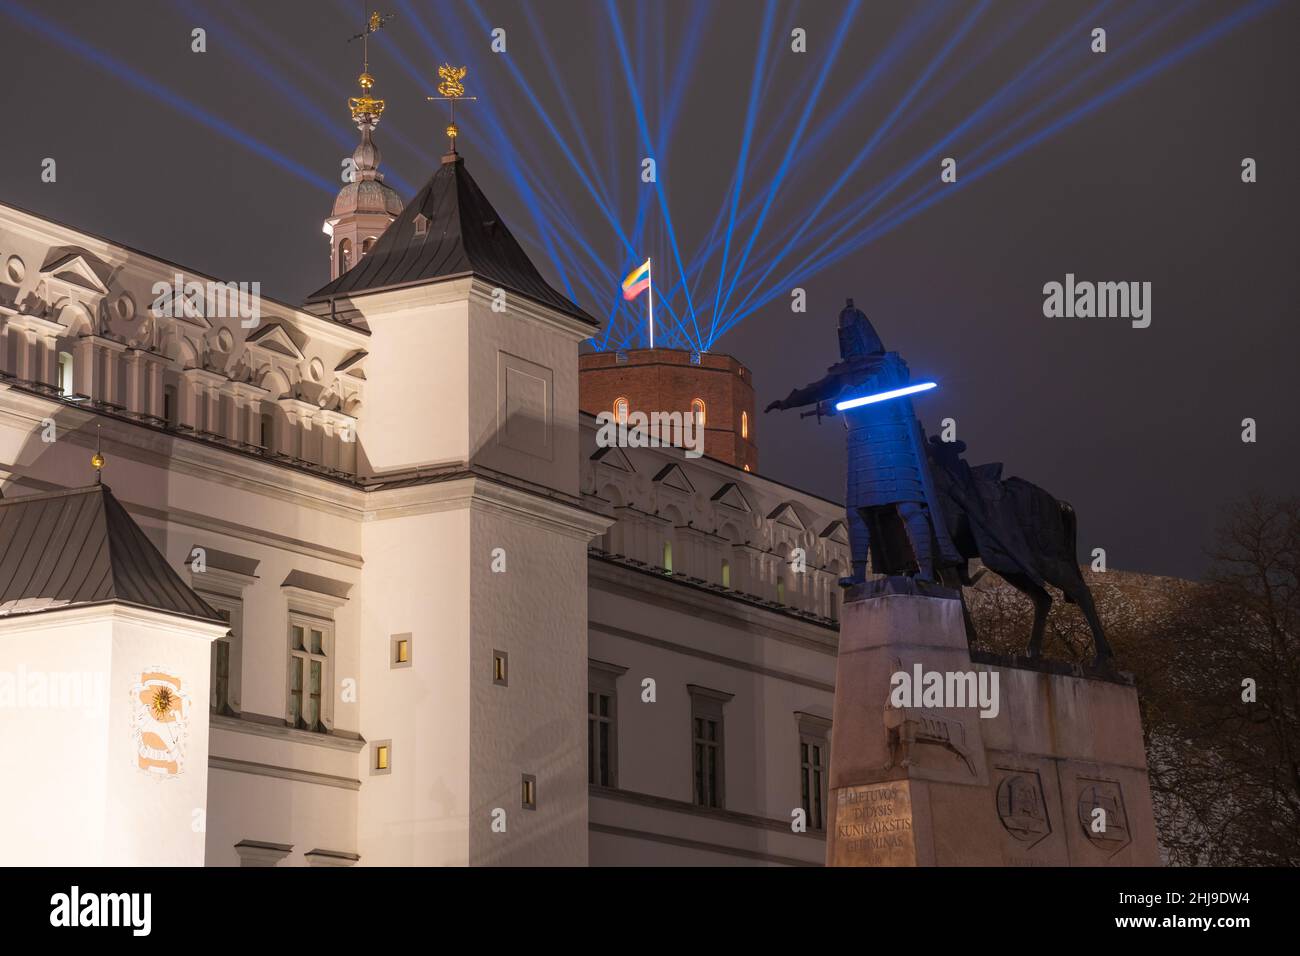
(638, 281)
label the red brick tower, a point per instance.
(674, 380)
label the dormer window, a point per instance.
(421, 222)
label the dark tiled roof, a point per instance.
(464, 236)
(81, 547)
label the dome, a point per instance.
(367, 196)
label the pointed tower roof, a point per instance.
(79, 547)
(449, 230)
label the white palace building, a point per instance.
(359, 587)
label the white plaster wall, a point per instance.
(85, 799)
(417, 581)
(520, 334)
(54, 760)
(416, 402)
(536, 612)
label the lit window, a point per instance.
(528, 792)
(366, 246)
(620, 411)
(381, 757)
(501, 668)
(726, 574)
(345, 255)
(399, 650)
(65, 374)
(780, 591)
(668, 556)
(744, 425)
(697, 410)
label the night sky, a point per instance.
(227, 162)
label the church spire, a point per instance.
(365, 206)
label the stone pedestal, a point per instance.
(1055, 775)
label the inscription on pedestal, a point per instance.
(872, 826)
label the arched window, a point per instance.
(345, 255)
(697, 411)
(620, 411)
(744, 424)
(366, 246)
(668, 556)
(726, 573)
(780, 591)
(65, 374)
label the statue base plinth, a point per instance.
(924, 780)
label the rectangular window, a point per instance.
(311, 646)
(399, 650)
(602, 723)
(708, 762)
(381, 757)
(814, 766)
(223, 684)
(528, 792)
(500, 668)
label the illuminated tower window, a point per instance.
(620, 411)
(365, 246)
(744, 424)
(345, 256)
(697, 410)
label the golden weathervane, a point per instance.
(452, 89)
(366, 108)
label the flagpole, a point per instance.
(650, 274)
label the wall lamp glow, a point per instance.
(884, 396)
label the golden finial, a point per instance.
(452, 89)
(97, 459)
(365, 108)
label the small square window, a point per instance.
(501, 668)
(528, 792)
(399, 650)
(381, 757)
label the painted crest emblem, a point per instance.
(160, 718)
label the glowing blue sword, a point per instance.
(884, 396)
